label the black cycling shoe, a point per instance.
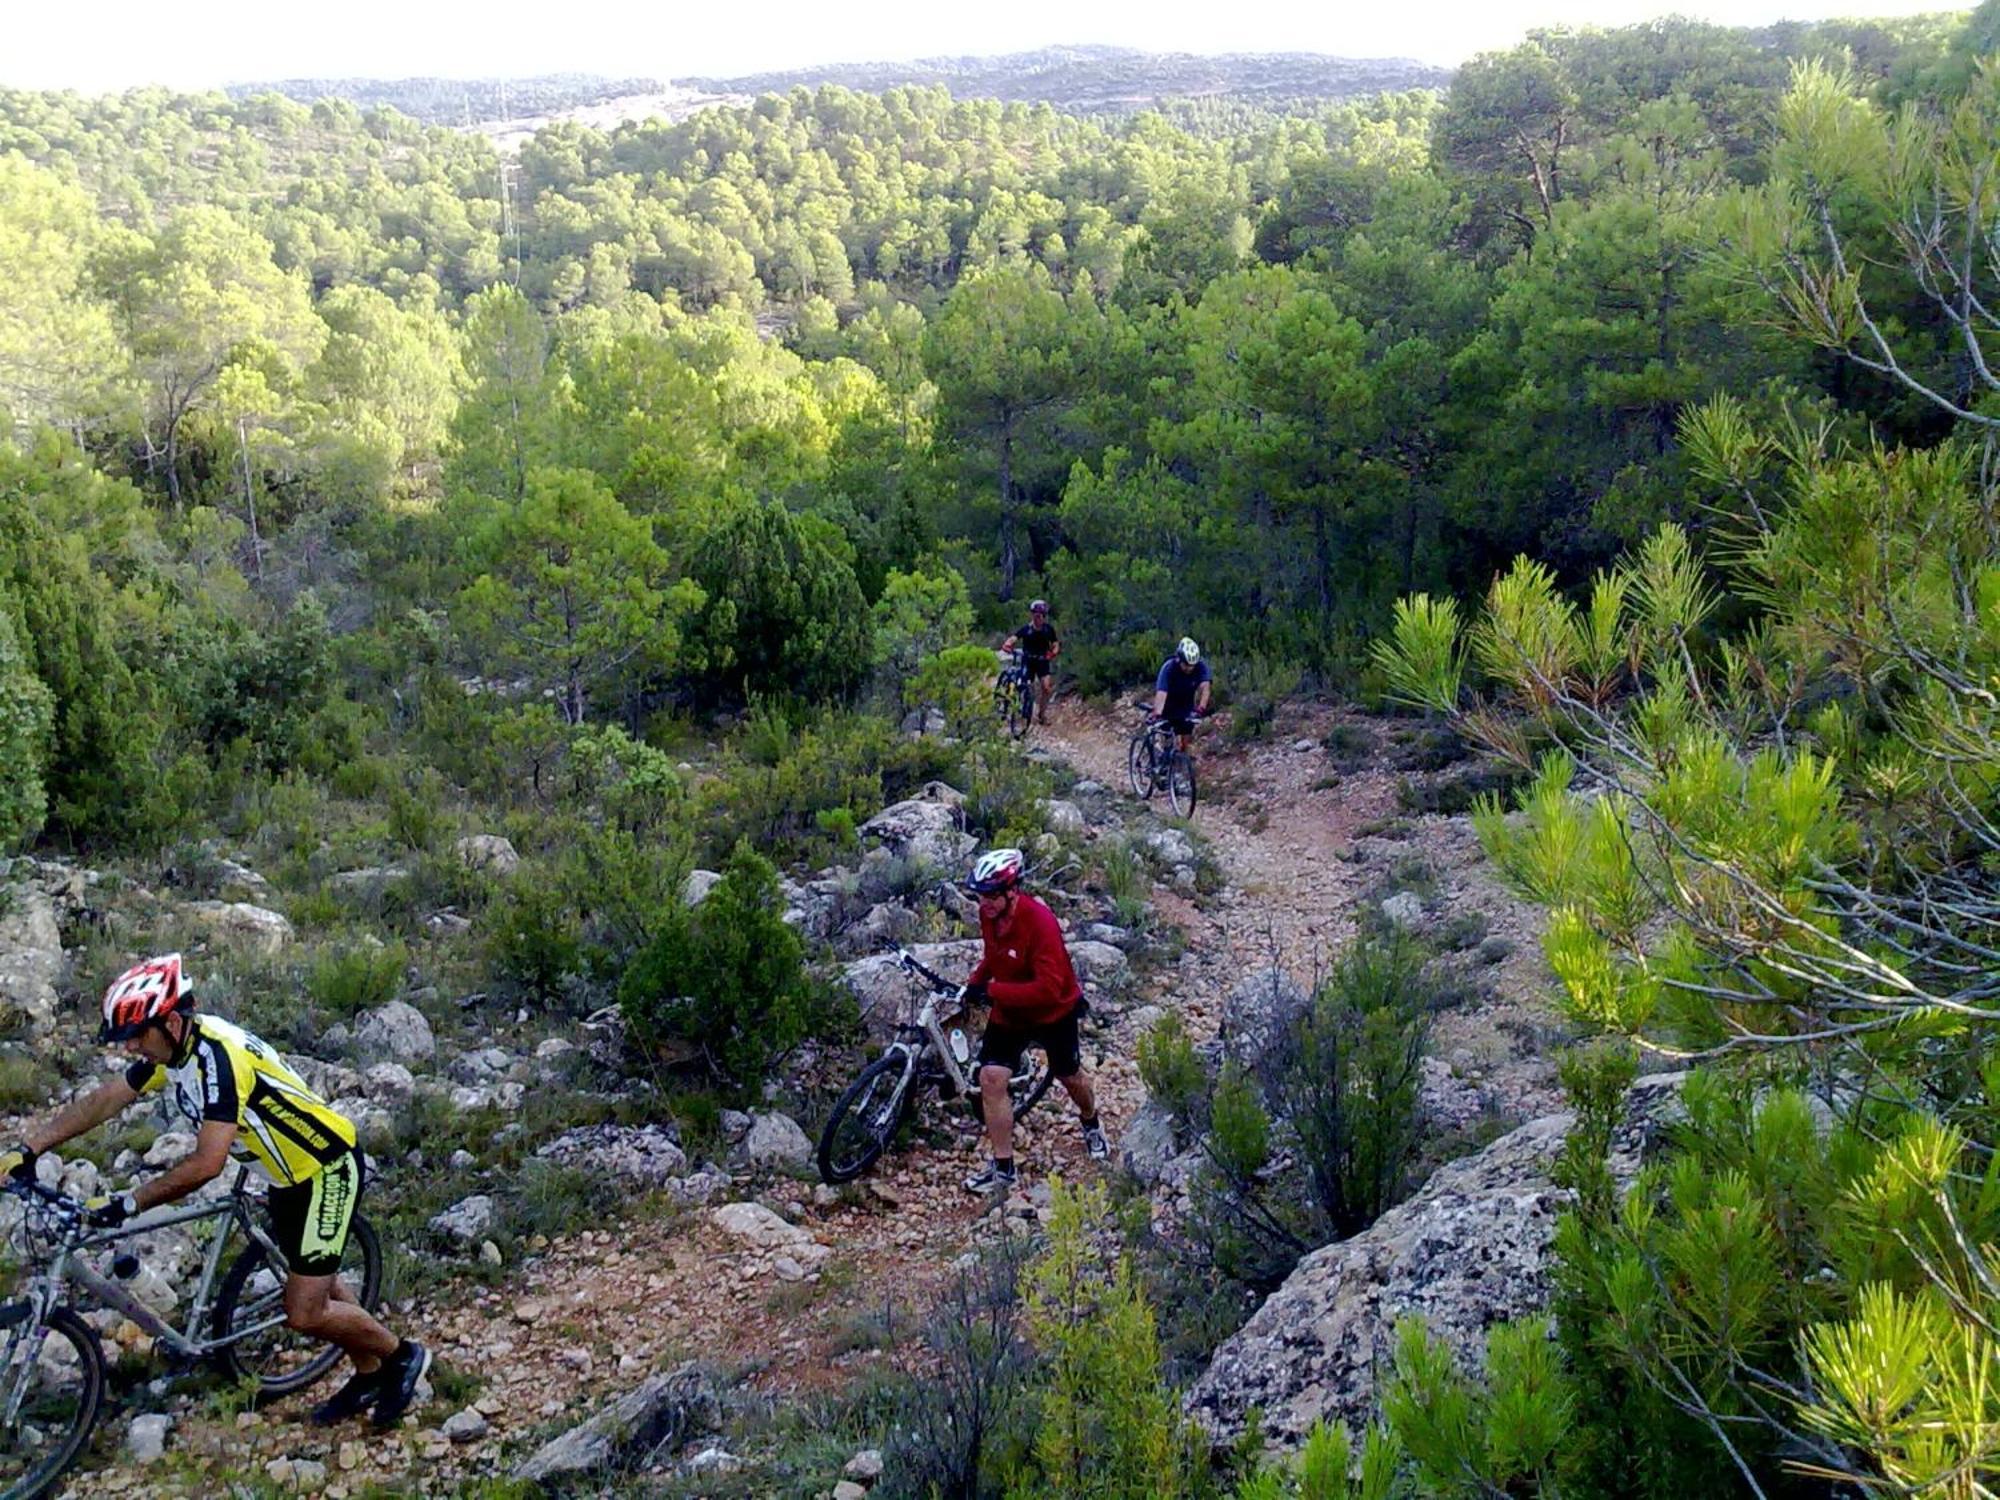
(400, 1374)
(351, 1400)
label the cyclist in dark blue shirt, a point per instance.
(1180, 692)
(1039, 649)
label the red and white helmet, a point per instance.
(149, 991)
(996, 870)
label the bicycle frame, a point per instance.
(28, 1317)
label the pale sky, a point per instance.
(110, 44)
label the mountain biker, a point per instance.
(1180, 692)
(1040, 646)
(1026, 977)
(237, 1094)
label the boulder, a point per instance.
(663, 1413)
(467, 1220)
(389, 1083)
(924, 829)
(644, 1155)
(1063, 817)
(1097, 963)
(885, 996)
(775, 1143)
(489, 852)
(466, 1426)
(31, 955)
(1468, 1251)
(368, 880)
(1257, 1010)
(327, 1079)
(241, 925)
(146, 1438)
(396, 1032)
(1147, 1144)
(483, 1065)
(756, 1227)
(1405, 910)
(1170, 846)
(238, 882)
(1121, 938)
(887, 923)
(695, 889)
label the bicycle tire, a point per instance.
(1181, 785)
(835, 1165)
(1139, 765)
(1027, 1088)
(42, 1477)
(233, 1358)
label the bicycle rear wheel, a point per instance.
(1139, 766)
(1180, 785)
(863, 1121)
(251, 1307)
(59, 1408)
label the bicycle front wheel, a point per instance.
(65, 1388)
(1139, 766)
(1180, 785)
(250, 1312)
(864, 1120)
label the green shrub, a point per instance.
(1256, 688)
(535, 936)
(1170, 1068)
(1341, 1082)
(356, 976)
(725, 985)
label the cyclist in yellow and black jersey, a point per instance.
(224, 1073)
(243, 1101)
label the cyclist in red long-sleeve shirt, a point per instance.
(1027, 978)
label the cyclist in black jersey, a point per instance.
(241, 1099)
(1180, 691)
(1040, 646)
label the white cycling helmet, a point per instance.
(996, 870)
(1188, 651)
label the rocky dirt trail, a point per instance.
(1302, 850)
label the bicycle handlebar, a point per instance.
(910, 962)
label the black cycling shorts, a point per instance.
(1002, 1046)
(310, 1219)
(1038, 666)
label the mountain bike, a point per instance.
(52, 1366)
(1014, 695)
(1156, 762)
(932, 1050)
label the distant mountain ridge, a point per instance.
(1083, 80)
(1094, 78)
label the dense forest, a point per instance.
(357, 479)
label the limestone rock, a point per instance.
(886, 996)
(925, 829)
(644, 1155)
(467, 1220)
(664, 1412)
(489, 852)
(1147, 1143)
(1468, 1251)
(241, 925)
(146, 1438)
(1258, 1010)
(1063, 817)
(389, 1083)
(760, 1229)
(31, 954)
(397, 1032)
(1405, 909)
(695, 889)
(776, 1142)
(1170, 846)
(467, 1426)
(1097, 963)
